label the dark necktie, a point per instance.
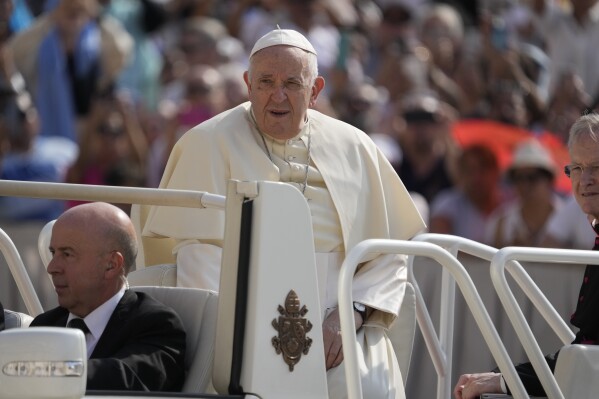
(78, 323)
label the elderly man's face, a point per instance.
(280, 90)
(77, 267)
(585, 152)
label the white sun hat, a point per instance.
(532, 154)
(284, 37)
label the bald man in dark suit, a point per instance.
(133, 341)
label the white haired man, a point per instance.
(352, 190)
(583, 145)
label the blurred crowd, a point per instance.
(471, 101)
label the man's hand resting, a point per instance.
(471, 386)
(331, 332)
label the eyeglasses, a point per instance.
(575, 170)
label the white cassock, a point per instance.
(353, 193)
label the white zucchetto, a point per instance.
(285, 37)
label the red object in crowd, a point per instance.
(502, 138)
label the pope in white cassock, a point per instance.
(352, 191)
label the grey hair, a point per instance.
(586, 124)
(125, 243)
(312, 66)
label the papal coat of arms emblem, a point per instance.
(292, 326)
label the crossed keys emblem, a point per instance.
(292, 341)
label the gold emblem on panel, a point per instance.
(292, 326)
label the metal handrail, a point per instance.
(505, 259)
(19, 274)
(520, 276)
(431, 340)
(380, 246)
(441, 347)
(121, 195)
(82, 192)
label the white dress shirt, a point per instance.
(97, 320)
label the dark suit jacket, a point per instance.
(141, 349)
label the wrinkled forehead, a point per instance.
(82, 238)
(280, 61)
(66, 234)
(584, 149)
(587, 138)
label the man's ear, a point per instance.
(115, 265)
(316, 89)
(246, 79)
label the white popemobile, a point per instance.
(259, 340)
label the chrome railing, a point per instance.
(440, 346)
(81, 192)
(449, 263)
(505, 259)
